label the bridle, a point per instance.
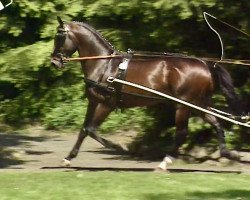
(60, 38)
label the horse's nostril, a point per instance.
(53, 64)
(56, 63)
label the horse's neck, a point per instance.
(94, 69)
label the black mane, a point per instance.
(95, 32)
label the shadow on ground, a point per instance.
(225, 195)
(9, 144)
(7, 158)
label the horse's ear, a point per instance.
(60, 21)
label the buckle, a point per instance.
(110, 79)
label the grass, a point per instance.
(108, 185)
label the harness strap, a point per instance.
(111, 90)
(144, 96)
(115, 89)
(101, 86)
(122, 71)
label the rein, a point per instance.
(160, 55)
(92, 58)
(222, 59)
(148, 54)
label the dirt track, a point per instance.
(37, 152)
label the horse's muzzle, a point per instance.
(57, 63)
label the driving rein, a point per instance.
(160, 55)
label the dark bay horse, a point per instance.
(187, 78)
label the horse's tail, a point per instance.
(222, 76)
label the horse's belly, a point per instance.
(129, 101)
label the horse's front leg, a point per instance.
(96, 114)
(100, 114)
(82, 134)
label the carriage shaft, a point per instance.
(112, 79)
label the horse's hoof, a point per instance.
(163, 165)
(233, 155)
(160, 170)
(65, 163)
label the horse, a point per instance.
(184, 77)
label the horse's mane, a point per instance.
(95, 32)
(146, 53)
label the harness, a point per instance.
(122, 71)
(111, 90)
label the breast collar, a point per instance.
(113, 89)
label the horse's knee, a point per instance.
(83, 133)
(88, 130)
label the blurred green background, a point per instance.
(31, 91)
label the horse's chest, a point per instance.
(99, 93)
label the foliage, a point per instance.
(30, 90)
(123, 186)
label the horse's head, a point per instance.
(64, 45)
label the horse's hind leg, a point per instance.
(224, 152)
(181, 121)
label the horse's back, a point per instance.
(185, 78)
(190, 79)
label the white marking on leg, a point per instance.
(65, 163)
(165, 162)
